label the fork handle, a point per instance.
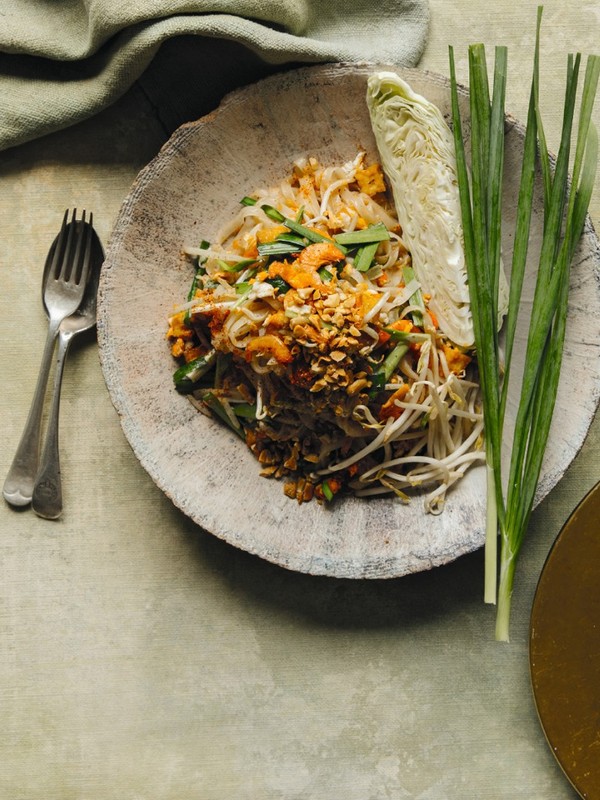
(46, 500)
(18, 486)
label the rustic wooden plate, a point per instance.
(184, 195)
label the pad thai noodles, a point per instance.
(307, 333)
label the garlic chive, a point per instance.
(565, 209)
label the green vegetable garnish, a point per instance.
(565, 208)
(327, 493)
(221, 367)
(192, 292)
(217, 407)
(278, 282)
(373, 233)
(277, 248)
(406, 337)
(238, 266)
(248, 201)
(365, 255)
(187, 376)
(415, 299)
(292, 237)
(308, 233)
(388, 367)
(245, 410)
(392, 360)
(204, 245)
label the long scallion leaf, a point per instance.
(565, 209)
(474, 200)
(540, 133)
(521, 244)
(526, 465)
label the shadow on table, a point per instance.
(425, 598)
(344, 603)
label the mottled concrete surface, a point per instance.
(142, 658)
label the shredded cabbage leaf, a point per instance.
(416, 148)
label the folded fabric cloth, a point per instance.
(64, 61)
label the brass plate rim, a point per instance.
(564, 647)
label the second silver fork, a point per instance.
(65, 279)
(46, 500)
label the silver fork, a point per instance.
(65, 278)
(46, 500)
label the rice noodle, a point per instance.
(306, 346)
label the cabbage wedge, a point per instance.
(417, 153)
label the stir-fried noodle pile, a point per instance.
(306, 332)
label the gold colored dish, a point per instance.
(565, 647)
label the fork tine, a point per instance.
(56, 258)
(76, 268)
(85, 267)
(65, 270)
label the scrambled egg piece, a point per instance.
(457, 361)
(370, 180)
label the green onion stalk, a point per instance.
(565, 206)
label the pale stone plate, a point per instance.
(185, 194)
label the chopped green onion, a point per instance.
(415, 299)
(365, 255)
(192, 292)
(245, 410)
(277, 248)
(308, 233)
(406, 337)
(238, 266)
(397, 336)
(378, 382)
(325, 274)
(388, 367)
(221, 367)
(194, 285)
(217, 407)
(248, 201)
(292, 237)
(272, 213)
(373, 233)
(187, 376)
(242, 288)
(278, 282)
(300, 214)
(327, 493)
(392, 360)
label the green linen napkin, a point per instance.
(63, 61)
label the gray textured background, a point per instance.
(141, 658)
